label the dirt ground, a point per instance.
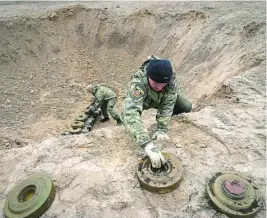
(51, 51)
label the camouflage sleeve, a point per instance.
(133, 107)
(97, 100)
(165, 111)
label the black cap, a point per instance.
(160, 71)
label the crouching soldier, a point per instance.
(105, 98)
(153, 86)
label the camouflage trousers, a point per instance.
(107, 107)
(182, 105)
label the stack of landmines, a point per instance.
(85, 121)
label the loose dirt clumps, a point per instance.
(50, 53)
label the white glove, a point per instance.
(161, 136)
(155, 155)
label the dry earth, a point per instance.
(50, 52)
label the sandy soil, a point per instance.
(51, 51)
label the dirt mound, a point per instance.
(46, 61)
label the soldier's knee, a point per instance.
(185, 108)
(182, 105)
(188, 107)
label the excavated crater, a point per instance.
(47, 61)
(49, 52)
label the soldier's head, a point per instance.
(159, 74)
(90, 88)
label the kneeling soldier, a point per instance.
(105, 98)
(153, 86)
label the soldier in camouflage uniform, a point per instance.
(105, 98)
(153, 86)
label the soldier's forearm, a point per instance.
(142, 138)
(165, 112)
(135, 127)
(163, 123)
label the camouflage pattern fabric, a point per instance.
(141, 97)
(105, 98)
(182, 105)
(108, 108)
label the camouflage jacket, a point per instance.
(141, 97)
(102, 93)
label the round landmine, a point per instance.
(77, 124)
(86, 111)
(162, 180)
(81, 117)
(88, 108)
(30, 198)
(234, 195)
(75, 131)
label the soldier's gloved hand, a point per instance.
(161, 136)
(155, 155)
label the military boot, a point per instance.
(104, 119)
(119, 122)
